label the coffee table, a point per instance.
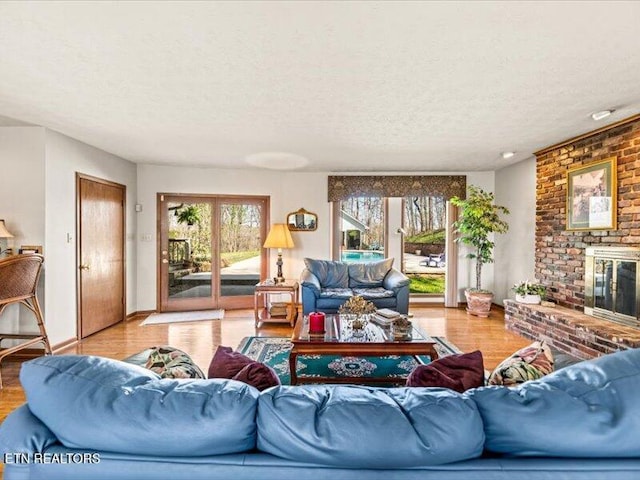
(337, 340)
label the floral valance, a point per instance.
(447, 186)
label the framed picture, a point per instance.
(591, 196)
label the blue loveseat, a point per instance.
(92, 418)
(327, 284)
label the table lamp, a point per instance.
(4, 233)
(279, 237)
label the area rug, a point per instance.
(174, 317)
(274, 351)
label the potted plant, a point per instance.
(479, 218)
(189, 215)
(530, 293)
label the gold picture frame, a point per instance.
(592, 196)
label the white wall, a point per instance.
(515, 250)
(22, 183)
(289, 191)
(22, 203)
(64, 157)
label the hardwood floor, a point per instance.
(200, 339)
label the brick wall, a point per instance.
(560, 253)
(569, 331)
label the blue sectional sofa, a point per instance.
(327, 284)
(93, 418)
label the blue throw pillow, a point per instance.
(366, 427)
(369, 275)
(590, 409)
(330, 274)
(96, 403)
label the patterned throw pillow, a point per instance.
(169, 362)
(528, 363)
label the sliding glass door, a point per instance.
(210, 250)
(424, 242)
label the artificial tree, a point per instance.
(479, 218)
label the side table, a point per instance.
(269, 287)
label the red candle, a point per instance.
(316, 322)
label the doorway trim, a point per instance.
(79, 177)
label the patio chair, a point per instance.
(434, 260)
(19, 276)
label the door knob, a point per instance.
(84, 266)
(164, 260)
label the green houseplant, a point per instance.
(531, 293)
(189, 215)
(479, 218)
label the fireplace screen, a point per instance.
(611, 284)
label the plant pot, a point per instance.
(478, 303)
(530, 299)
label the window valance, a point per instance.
(447, 186)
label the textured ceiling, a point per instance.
(351, 86)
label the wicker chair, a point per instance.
(19, 276)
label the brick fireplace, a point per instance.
(560, 254)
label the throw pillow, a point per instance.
(226, 363)
(330, 274)
(528, 363)
(258, 375)
(234, 365)
(169, 362)
(459, 372)
(369, 275)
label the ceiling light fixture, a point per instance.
(277, 160)
(508, 155)
(601, 114)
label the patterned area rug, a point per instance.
(274, 351)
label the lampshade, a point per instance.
(279, 237)
(4, 233)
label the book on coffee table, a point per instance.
(385, 317)
(387, 313)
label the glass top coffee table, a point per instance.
(339, 339)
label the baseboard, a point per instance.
(28, 353)
(140, 313)
(62, 345)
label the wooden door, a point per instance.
(101, 254)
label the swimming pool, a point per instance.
(353, 256)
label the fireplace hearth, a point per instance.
(612, 284)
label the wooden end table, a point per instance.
(269, 287)
(377, 343)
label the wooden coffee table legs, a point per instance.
(293, 360)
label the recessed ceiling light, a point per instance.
(277, 160)
(601, 114)
(507, 155)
